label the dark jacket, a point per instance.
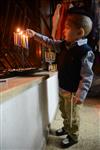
(69, 65)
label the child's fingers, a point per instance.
(30, 33)
(76, 100)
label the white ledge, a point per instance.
(11, 87)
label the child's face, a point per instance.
(71, 33)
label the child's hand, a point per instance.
(77, 100)
(30, 33)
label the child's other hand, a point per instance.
(77, 100)
(30, 33)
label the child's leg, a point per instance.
(70, 114)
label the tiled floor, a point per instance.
(89, 128)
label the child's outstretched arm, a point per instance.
(44, 40)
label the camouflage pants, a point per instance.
(70, 113)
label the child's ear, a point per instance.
(81, 32)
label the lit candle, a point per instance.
(23, 40)
(26, 42)
(20, 39)
(18, 32)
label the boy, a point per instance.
(74, 61)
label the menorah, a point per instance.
(20, 39)
(21, 42)
(50, 57)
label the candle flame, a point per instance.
(18, 29)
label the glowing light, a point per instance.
(18, 30)
(20, 39)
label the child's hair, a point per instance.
(80, 18)
(81, 21)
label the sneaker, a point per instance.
(67, 142)
(61, 132)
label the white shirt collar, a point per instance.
(82, 42)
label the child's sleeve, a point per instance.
(48, 42)
(87, 76)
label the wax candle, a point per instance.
(23, 40)
(20, 39)
(26, 41)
